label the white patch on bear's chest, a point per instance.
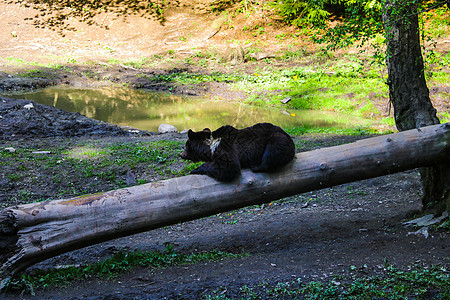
(213, 144)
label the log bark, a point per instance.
(34, 232)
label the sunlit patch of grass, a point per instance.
(86, 152)
(390, 121)
(337, 88)
(444, 117)
(437, 22)
(438, 76)
(16, 61)
(157, 152)
(136, 63)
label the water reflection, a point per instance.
(147, 110)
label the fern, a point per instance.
(302, 12)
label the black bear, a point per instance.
(262, 147)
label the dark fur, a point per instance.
(262, 147)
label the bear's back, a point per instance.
(251, 142)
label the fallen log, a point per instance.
(34, 232)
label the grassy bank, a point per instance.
(351, 84)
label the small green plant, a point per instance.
(108, 49)
(16, 60)
(33, 73)
(14, 177)
(136, 63)
(90, 74)
(190, 166)
(71, 60)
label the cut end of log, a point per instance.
(8, 244)
(8, 235)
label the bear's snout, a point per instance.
(183, 154)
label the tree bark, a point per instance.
(408, 91)
(33, 232)
(409, 94)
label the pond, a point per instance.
(146, 110)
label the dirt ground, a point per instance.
(353, 225)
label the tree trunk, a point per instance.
(33, 232)
(409, 94)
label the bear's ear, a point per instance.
(206, 130)
(190, 134)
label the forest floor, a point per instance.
(336, 235)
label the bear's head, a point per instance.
(198, 146)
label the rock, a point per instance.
(28, 106)
(41, 152)
(419, 221)
(166, 128)
(422, 231)
(427, 220)
(10, 149)
(285, 100)
(235, 54)
(134, 131)
(260, 55)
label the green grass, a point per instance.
(317, 89)
(444, 117)
(438, 23)
(34, 74)
(388, 283)
(119, 263)
(154, 152)
(193, 78)
(81, 168)
(354, 131)
(13, 61)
